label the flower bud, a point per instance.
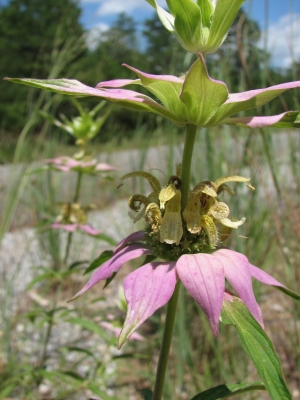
(201, 26)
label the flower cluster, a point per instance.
(67, 164)
(200, 227)
(72, 217)
(188, 246)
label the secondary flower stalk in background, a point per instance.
(83, 127)
(66, 164)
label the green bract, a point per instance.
(195, 99)
(85, 126)
(199, 26)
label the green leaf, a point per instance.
(258, 346)
(73, 87)
(110, 279)
(224, 391)
(253, 99)
(73, 375)
(80, 350)
(77, 263)
(187, 23)
(91, 326)
(223, 17)
(165, 18)
(207, 10)
(95, 389)
(105, 238)
(105, 256)
(202, 95)
(43, 277)
(147, 394)
(152, 3)
(149, 258)
(288, 292)
(167, 91)
(55, 374)
(6, 391)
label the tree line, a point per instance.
(44, 39)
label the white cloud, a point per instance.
(109, 7)
(283, 38)
(95, 34)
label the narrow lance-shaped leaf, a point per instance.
(223, 17)
(187, 23)
(207, 10)
(258, 346)
(165, 18)
(227, 390)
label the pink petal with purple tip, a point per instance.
(236, 267)
(106, 270)
(203, 276)
(134, 237)
(146, 289)
(263, 277)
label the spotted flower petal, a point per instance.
(146, 289)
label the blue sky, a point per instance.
(104, 11)
(281, 18)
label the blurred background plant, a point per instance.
(50, 349)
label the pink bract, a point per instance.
(73, 227)
(152, 285)
(65, 163)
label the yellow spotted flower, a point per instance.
(161, 208)
(204, 211)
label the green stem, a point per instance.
(186, 163)
(78, 186)
(171, 308)
(166, 344)
(75, 199)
